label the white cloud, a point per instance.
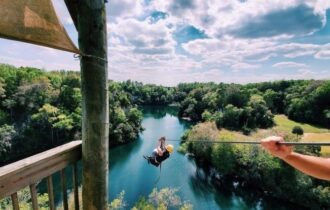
(120, 9)
(243, 66)
(306, 72)
(289, 65)
(262, 57)
(323, 54)
(24, 54)
(145, 38)
(229, 50)
(214, 17)
(147, 52)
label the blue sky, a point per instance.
(173, 41)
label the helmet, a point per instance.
(169, 148)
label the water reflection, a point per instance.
(159, 112)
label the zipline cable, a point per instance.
(258, 142)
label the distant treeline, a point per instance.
(241, 107)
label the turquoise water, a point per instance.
(129, 172)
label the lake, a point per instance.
(130, 172)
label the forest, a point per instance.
(36, 105)
(42, 109)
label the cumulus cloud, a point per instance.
(167, 42)
(289, 65)
(248, 18)
(144, 37)
(242, 66)
(297, 20)
(323, 54)
(120, 9)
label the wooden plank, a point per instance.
(28, 162)
(17, 175)
(50, 193)
(92, 32)
(34, 197)
(14, 200)
(64, 190)
(75, 186)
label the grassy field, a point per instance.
(254, 136)
(318, 137)
(284, 124)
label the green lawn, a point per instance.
(283, 125)
(319, 137)
(286, 125)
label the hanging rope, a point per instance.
(160, 172)
(79, 56)
(257, 142)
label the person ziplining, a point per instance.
(160, 153)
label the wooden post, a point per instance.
(91, 22)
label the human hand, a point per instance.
(271, 145)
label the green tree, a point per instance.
(9, 104)
(207, 116)
(118, 203)
(222, 158)
(274, 100)
(163, 199)
(297, 130)
(263, 117)
(231, 117)
(7, 134)
(70, 94)
(235, 96)
(30, 97)
(50, 119)
(2, 89)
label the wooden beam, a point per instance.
(95, 110)
(34, 197)
(75, 186)
(20, 174)
(64, 190)
(14, 200)
(50, 191)
(72, 7)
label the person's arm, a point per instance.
(159, 149)
(314, 166)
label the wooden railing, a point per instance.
(29, 171)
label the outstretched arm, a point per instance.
(159, 150)
(314, 166)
